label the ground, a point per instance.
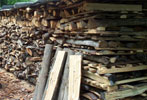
(13, 88)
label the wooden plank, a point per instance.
(63, 91)
(39, 90)
(74, 77)
(55, 75)
(111, 7)
(126, 93)
(103, 33)
(124, 49)
(107, 53)
(50, 68)
(121, 70)
(97, 78)
(130, 80)
(94, 83)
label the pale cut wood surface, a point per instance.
(126, 69)
(55, 75)
(74, 77)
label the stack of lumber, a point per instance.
(111, 37)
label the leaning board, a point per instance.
(74, 77)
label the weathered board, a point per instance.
(55, 75)
(74, 77)
(112, 7)
(63, 92)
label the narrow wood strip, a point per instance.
(130, 80)
(121, 70)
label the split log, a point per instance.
(81, 25)
(53, 24)
(45, 22)
(72, 26)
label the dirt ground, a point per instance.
(12, 88)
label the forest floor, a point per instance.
(12, 88)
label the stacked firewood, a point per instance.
(22, 41)
(111, 38)
(20, 53)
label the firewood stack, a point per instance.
(111, 37)
(22, 42)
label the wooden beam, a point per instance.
(130, 80)
(111, 7)
(103, 33)
(74, 77)
(121, 70)
(55, 75)
(126, 93)
(39, 90)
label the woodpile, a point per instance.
(110, 36)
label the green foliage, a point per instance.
(11, 2)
